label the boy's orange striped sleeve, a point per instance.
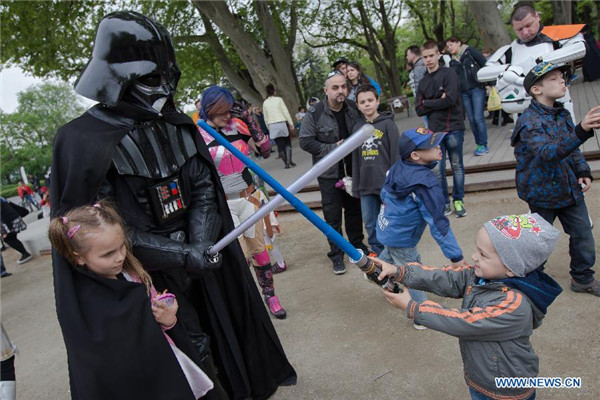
(509, 304)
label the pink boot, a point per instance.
(278, 268)
(264, 275)
(275, 307)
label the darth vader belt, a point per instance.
(167, 200)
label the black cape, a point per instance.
(113, 342)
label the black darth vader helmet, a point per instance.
(134, 57)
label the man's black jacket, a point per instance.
(438, 98)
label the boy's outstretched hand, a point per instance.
(398, 300)
(387, 269)
(591, 119)
(461, 263)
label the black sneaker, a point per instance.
(447, 210)
(339, 267)
(591, 288)
(5, 275)
(25, 258)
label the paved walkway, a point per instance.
(344, 340)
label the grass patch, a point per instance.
(8, 190)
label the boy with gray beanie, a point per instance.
(504, 296)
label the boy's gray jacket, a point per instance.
(493, 325)
(319, 132)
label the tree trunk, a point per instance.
(260, 67)
(289, 47)
(282, 58)
(245, 89)
(389, 51)
(490, 24)
(562, 12)
(438, 22)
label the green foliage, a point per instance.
(588, 12)
(429, 20)
(27, 134)
(199, 70)
(8, 190)
(311, 68)
(49, 38)
(544, 7)
(338, 24)
(55, 38)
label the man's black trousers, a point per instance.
(335, 201)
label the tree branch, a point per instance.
(245, 88)
(291, 39)
(399, 16)
(419, 15)
(330, 43)
(186, 39)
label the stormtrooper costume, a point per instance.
(509, 65)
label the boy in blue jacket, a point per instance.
(551, 173)
(412, 198)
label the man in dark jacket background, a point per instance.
(323, 128)
(438, 98)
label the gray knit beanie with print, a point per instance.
(523, 242)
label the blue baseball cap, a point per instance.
(539, 71)
(418, 139)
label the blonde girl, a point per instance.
(92, 238)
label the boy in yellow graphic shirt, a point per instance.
(372, 160)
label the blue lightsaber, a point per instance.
(356, 256)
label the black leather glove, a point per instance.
(198, 261)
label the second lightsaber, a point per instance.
(356, 256)
(288, 194)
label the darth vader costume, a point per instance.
(138, 150)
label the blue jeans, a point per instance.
(475, 395)
(474, 102)
(453, 145)
(403, 255)
(370, 204)
(576, 223)
(32, 200)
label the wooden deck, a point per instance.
(586, 95)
